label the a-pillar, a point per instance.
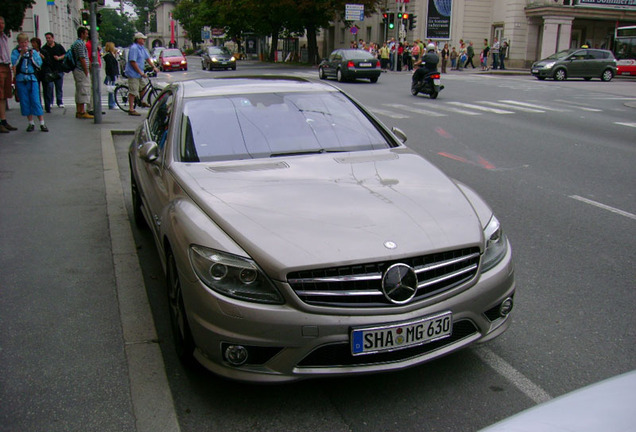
(557, 32)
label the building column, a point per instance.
(557, 32)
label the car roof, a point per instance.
(249, 85)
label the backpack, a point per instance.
(69, 63)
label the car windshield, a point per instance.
(218, 51)
(560, 55)
(358, 55)
(172, 53)
(249, 126)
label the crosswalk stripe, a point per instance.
(481, 108)
(410, 108)
(509, 106)
(579, 106)
(388, 113)
(451, 109)
(525, 104)
(626, 124)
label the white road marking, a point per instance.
(451, 109)
(604, 207)
(626, 124)
(387, 113)
(534, 106)
(411, 109)
(578, 105)
(480, 108)
(505, 369)
(509, 106)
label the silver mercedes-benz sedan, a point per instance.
(301, 238)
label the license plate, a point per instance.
(365, 64)
(535, 70)
(392, 337)
(437, 82)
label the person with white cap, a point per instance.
(137, 55)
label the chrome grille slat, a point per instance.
(360, 285)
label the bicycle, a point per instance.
(149, 92)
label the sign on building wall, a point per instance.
(438, 20)
(610, 3)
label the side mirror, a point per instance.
(400, 134)
(149, 151)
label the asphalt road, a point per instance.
(556, 162)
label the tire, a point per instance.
(321, 73)
(560, 75)
(373, 80)
(140, 221)
(183, 341)
(434, 94)
(607, 75)
(210, 67)
(339, 76)
(121, 98)
(414, 91)
(233, 67)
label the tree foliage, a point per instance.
(145, 11)
(274, 18)
(116, 28)
(13, 12)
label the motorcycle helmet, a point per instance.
(430, 47)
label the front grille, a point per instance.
(361, 285)
(340, 354)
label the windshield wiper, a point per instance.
(305, 152)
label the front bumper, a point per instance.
(297, 341)
(542, 72)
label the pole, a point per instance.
(95, 70)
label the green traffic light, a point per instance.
(391, 25)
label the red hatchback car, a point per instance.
(172, 59)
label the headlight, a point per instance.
(548, 65)
(214, 59)
(166, 63)
(183, 62)
(233, 276)
(496, 245)
(232, 59)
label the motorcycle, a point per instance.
(431, 85)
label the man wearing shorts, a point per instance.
(81, 74)
(5, 79)
(137, 55)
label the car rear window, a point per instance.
(248, 126)
(358, 55)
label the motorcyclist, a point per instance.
(427, 64)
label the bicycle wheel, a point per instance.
(121, 98)
(152, 95)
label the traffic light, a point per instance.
(98, 20)
(385, 18)
(399, 15)
(391, 21)
(405, 18)
(86, 18)
(412, 21)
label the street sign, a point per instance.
(205, 34)
(354, 12)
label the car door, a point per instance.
(333, 62)
(578, 63)
(152, 178)
(597, 63)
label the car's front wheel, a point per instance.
(560, 75)
(184, 344)
(339, 76)
(607, 75)
(321, 73)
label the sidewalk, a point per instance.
(77, 349)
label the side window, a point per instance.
(159, 119)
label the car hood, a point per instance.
(297, 212)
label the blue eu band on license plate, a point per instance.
(397, 336)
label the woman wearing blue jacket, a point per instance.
(26, 63)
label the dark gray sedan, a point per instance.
(350, 64)
(301, 238)
(217, 57)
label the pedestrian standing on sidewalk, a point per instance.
(5, 78)
(484, 55)
(80, 74)
(384, 56)
(495, 54)
(453, 58)
(470, 52)
(54, 52)
(502, 54)
(26, 61)
(36, 45)
(445, 54)
(112, 71)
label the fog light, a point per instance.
(236, 355)
(506, 307)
